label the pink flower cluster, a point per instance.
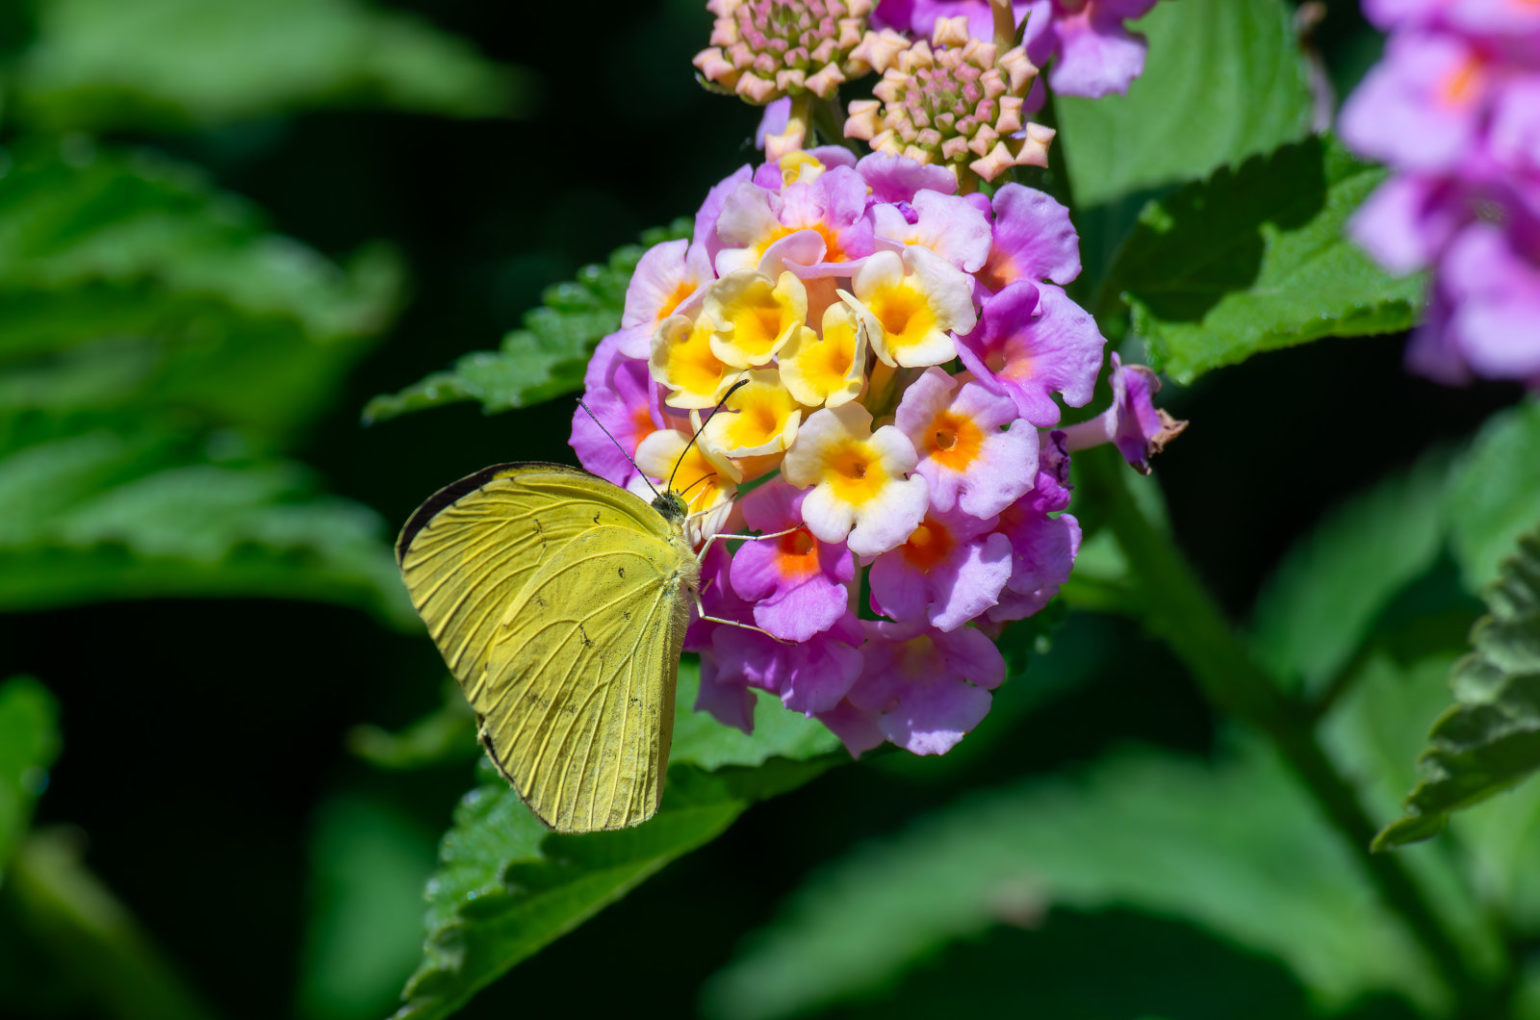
(1454, 109)
(906, 510)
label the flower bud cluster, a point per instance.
(1454, 109)
(954, 100)
(907, 509)
(766, 49)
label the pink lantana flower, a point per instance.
(1133, 423)
(668, 276)
(948, 225)
(797, 583)
(815, 221)
(810, 676)
(925, 689)
(863, 490)
(950, 570)
(1031, 342)
(968, 455)
(622, 398)
(1093, 54)
(1032, 239)
(1043, 549)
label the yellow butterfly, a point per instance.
(560, 602)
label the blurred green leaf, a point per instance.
(1490, 739)
(1059, 968)
(548, 356)
(1236, 61)
(68, 913)
(1493, 498)
(99, 509)
(446, 734)
(1322, 602)
(1235, 848)
(100, 65)
(1255, 259)
(126, 281)
(506, 886)
(29, 743)
(368, 866)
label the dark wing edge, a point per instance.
(455, 491)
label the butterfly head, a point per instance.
(671, 505)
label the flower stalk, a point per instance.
(1175, 605)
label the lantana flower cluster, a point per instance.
(1454, 109)
(900, 353)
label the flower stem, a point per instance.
(1177, 607)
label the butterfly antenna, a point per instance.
(697, 481)
(720, 404)
(622, 450)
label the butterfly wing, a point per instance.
(468, 552)
(559, 602)
(577, 698)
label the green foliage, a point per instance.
(29, 743)
(1493, 498)
(447, 734)
(1060, 966)
(92, 509)
(65, 913)
(368, 866)
(506, 886)
(1337, 581)
(1255, 259)
(156, 341)
(1490, 739)
(548, 356)
(1223, 81)
(98, 65)
(1235, 848)
(127, 281)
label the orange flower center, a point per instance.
(928, 545)
(797, 555)
(953, 441)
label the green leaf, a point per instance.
(446, 734)
(100, 509)
(29, 743)
(1255, 259)
(1490, 739)
(1322, 602)
(99, 65)
(1235, 848)
(126, 281)
(368, 866)
(63, 910)
(548, 356)
(1164, 968)
(506, 886)
(1493, 499)
(1223, 80)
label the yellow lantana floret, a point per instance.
(682, 361)
(863, 492)
(760, 418)
(830, 370)
(919, 299)
(752, 316)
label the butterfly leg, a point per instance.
(747, 538)
(700, 611)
